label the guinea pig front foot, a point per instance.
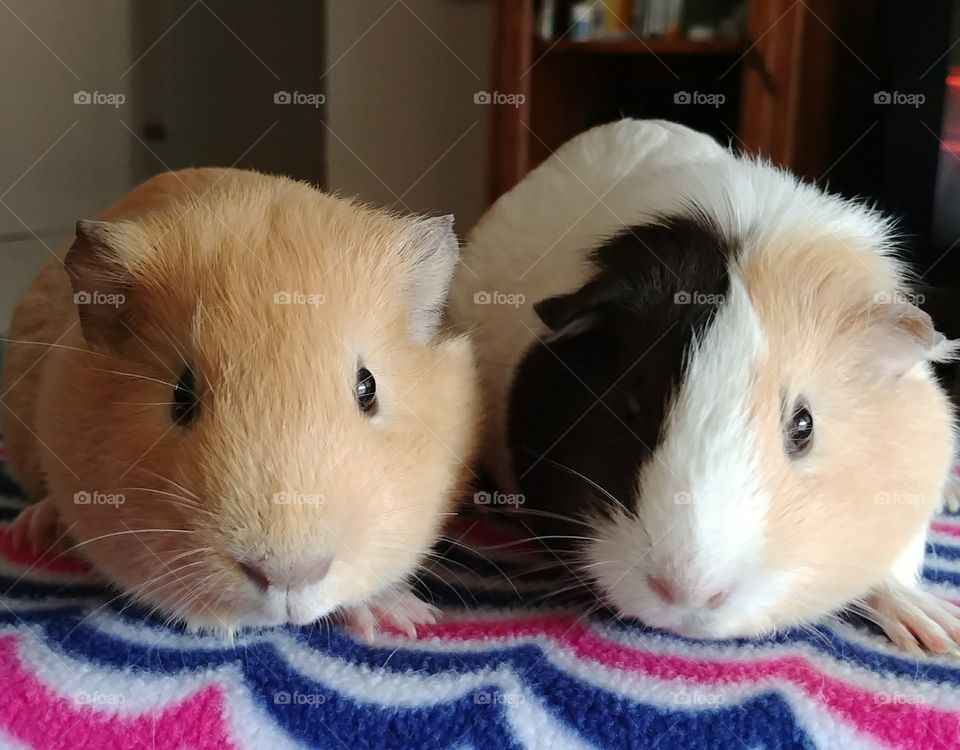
(915, 619)
(394, 609)
(38, 528)
(950, 501)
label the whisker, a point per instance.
(482, 556)
(52, 345)
(180, 606)
(122, 533)
(189, 503)
(537, 538)
(137, 593)
(176, 348)
(135, 375)
(388, 511)
(150, 588)
(609, 495)
(141, 403)
(436, 559)
(556, 516)
(161, 477)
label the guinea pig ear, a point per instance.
(556, 312)
(102, 284)
(904, 336)
(569, 314)
(435, 250)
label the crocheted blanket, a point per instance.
(82, 669)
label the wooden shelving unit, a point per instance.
(777, 86)
(632, 46)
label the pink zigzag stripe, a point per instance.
(945, 528)
(908, 726)
(35, 716)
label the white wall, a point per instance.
(400, 79)
(59, 161)
(398, 98)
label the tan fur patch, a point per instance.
(882, 447)
(277, 414)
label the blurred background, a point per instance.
(441, 105)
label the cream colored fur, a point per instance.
(208, 250)
(822, 283)
(884, 443)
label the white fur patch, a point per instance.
(701, 498)
(706, 464)
(907, 567)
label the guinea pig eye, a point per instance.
(798, 434)
(366, 390)
(186, 402)
(634, 405)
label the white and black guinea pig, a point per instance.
(710, 386)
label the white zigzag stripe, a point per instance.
(940, 537)
(941, 563)
(862, 678)
(827, 731)
(534, 727)
(675, 694)
(8, 743)
(127, 694)
(110, 691)
(399, 689)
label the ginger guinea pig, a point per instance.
(712, 390)
(232, 394)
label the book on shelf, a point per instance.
(653, 18)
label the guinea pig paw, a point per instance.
(916, 620)
(38, 528)
(950, 502)
(392, 610)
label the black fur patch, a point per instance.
(591, 399)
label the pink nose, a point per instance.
(662, 588)
(670, 593)
(266, 573)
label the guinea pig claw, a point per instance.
(916, 620)
(360, 622)
(950, 502)
(37, 528)
(392, 610)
